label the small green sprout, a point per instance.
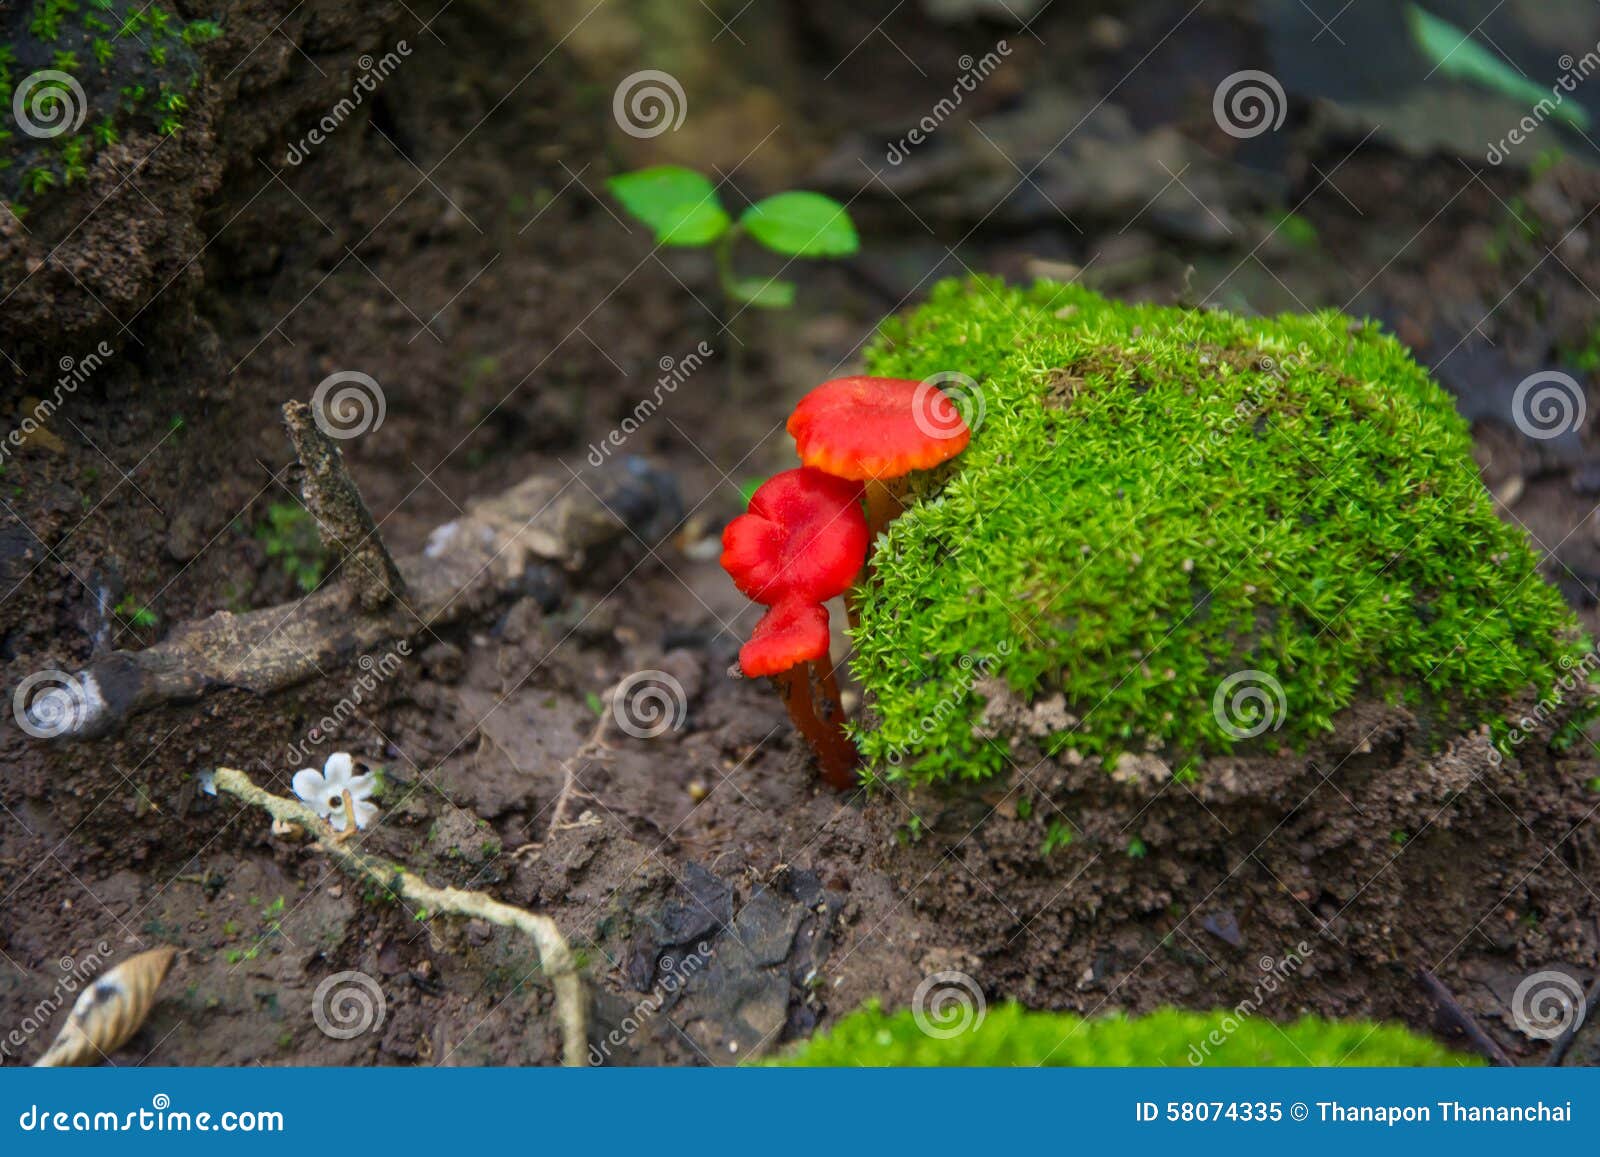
(137, 613)
(1056, 837)
(682, 207)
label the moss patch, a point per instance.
(89, 72)
(1198, 530)
(1010, 1036)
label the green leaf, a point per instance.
(678, 203)
(1454, 53)
(762, 292)
(802, 225)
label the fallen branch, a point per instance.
(1463, 1020)
(555, 957)
(487, 554)
(1563, 1043)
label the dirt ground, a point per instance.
(453, 241)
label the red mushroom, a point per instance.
(877, 430)
(803, 541)
(804, 537)
(790, 643)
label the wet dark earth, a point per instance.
(452, 240)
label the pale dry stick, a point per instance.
(555, 956)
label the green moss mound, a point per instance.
(1164, 508)
(1012, 1036)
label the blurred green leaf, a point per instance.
(802, 225)
(679, 204)
(762, 292)
(1454, 53)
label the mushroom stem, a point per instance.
(883, 506)
(836, 754)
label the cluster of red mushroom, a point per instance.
(805, 536)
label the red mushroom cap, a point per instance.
(804, 537)
(864, 428)
(791, 633)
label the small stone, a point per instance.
(698, 790)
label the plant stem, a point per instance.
(555, 957)
(722, 253)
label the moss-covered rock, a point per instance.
(1011, 1036)
(1179, 531)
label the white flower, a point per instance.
(324, 791)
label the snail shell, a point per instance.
(110, 1010)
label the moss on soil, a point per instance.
(1010, 1036)
(1164, 508)
(118, 67)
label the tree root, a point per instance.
(555, 957)
(490, 552)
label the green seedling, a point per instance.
(137, 613)
(290, 536)
(683, 209)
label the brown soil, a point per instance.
(512, 321)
